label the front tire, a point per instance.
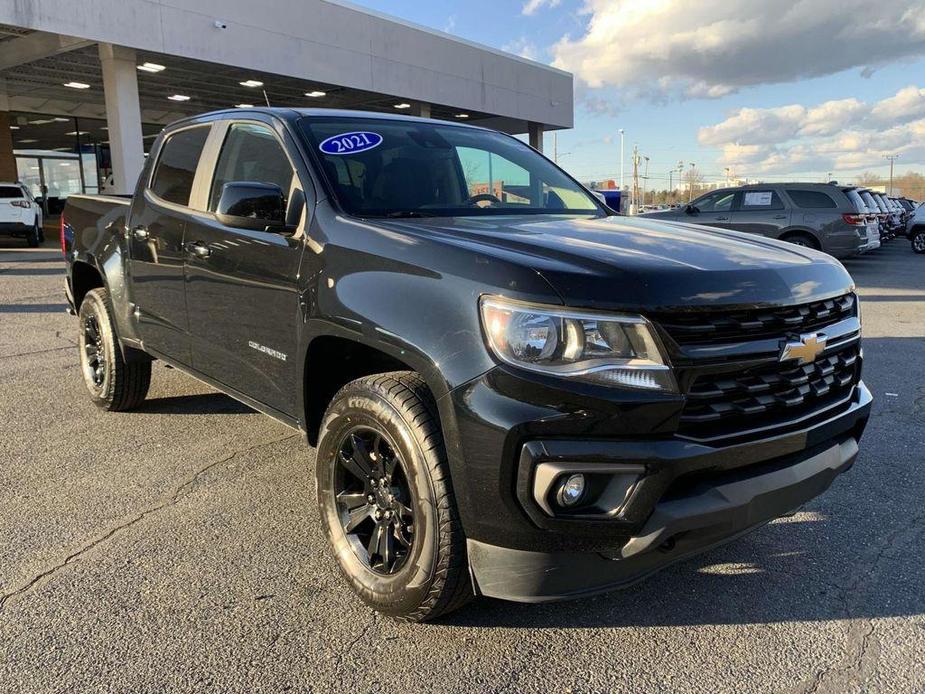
(113, 383)
(386, 501)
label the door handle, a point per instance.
(198, 249)
(141, 234)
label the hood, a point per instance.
(638, 263)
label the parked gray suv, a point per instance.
(823, 216)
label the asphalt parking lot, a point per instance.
(178, 548)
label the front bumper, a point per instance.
(692, 497)
(710, 515)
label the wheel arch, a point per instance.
(332, 360)
(801, 231)
(84, 278)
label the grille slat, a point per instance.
(690, 328)
(719, 405)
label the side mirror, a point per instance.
(248, 205)
(690, 209)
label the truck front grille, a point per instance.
(768, 396)
(710, 327)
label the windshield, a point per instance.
(395, 168)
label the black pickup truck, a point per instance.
(513, 391)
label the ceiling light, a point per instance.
(14, 127)
(77, 85)
(462, 115)
(61, 120)
(78, 132)
(103, 127)
(403, 105)
(41, 121)
(151, 67)
(179, 97)
(244, 106)
(25, 142)
(315, 94)
(251, 83)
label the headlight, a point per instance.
(605, 349)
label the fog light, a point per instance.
(571, 490)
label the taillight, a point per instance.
(20, 203)
(854, 219)
(61, 231)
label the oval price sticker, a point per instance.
(350, 143)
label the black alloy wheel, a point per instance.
(918, 241)
(373, 499)
(94, 362)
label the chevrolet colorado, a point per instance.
(513, 391)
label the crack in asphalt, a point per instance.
(38, 351)
(861, 631)
(178, 493)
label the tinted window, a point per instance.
(251, 153)
(176, 168)
(7, 192)
(859, 204)
(380, 167)
(811, 199)
(716, 202)
(753, 200)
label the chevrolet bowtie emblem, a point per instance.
(805, 349)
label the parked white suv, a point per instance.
(20, 214)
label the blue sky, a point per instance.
(763, 56)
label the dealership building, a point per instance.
(86, 86)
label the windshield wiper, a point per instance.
(406, 214)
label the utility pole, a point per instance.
(645, 181)
(622, 163)
(634, 205)
(892, 158)
(690, 185)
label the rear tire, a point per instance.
(113, 383)
(918, 240)
(34, 239)
(798, 238)
(386, 501)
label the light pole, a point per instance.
(645, 180)
(622, 162)
(892, 158)
(690, 185)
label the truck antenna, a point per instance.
(266, 98)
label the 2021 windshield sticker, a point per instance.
(350, 143)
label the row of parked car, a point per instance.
(838, 219)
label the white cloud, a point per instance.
(532, 6)
(844, 134)
(522, 47)
(714, 47)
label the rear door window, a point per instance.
(759, 200)
(176, 167)
(812, 200)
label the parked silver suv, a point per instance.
(819, 215)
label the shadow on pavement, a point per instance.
(748, 581)
(199, 404)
